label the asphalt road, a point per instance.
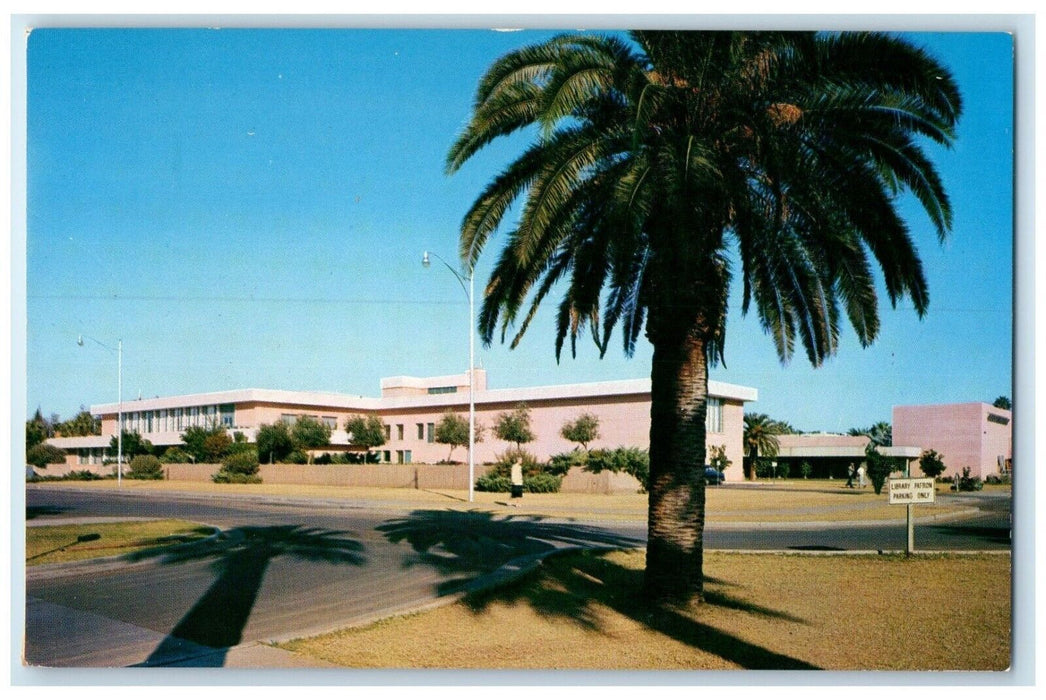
(284, 569)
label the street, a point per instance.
(289, 569)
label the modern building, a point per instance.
(975, 435)
(411, 407)
(832, 456)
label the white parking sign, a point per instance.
(912, 491)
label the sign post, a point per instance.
(909, 492)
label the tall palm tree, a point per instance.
(760, 439)
(662, 166)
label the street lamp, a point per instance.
(472, 353)
(119, 401)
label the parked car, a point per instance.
(714, 476)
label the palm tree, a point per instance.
(662, 166)
(879, 434)
(760, 439)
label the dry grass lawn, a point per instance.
(766, 611)
(54, 544)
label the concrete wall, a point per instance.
(411, 476)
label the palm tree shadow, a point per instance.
(240, 557)
(467, 545)
(571, 588)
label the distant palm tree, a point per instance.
(880, 434)
(657, 162)
(760, 439)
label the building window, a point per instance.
(421, 431)
(331, 422)
(388, 432)
(399, 431)
(289, 418)
(430, 432)
(714, 416)
(443, 390)
(407, 456)
(386, 456)
(228, 414)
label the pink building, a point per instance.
(974, 435)
(411, 407)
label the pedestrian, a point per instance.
(860, 476)
(850, 473)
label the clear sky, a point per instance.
(248, 208)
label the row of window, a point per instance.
(166, 420)
(292, 418)
(177, 419)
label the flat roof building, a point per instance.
(411, 407)
(975, 435)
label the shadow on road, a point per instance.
(571, 588)
(240, 559)
(37, 511)
(986, 534)
(473, 543)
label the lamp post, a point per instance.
(472, 353)
(119, 401)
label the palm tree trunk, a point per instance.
(676, 512)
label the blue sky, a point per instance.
(248, 208)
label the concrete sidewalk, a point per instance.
(56, 628)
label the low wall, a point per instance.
(410, 476)
(577, 480)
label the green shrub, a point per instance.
(503, 465)
(75, 475)
(542, 483)
(43, 454)
(536, 483)
(561, 463)
(630, 460)
(969, 483)
(238, 468)
(145, 467)
(806, 469)
(494, 483)
(224, 477)
(297, 457)
(175, 455)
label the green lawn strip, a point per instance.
(762, 611)
(52, 544)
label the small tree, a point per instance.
(514, 426)
(133, 444)
(1003, 402)
(583, 430)
(42, 454)
(274, 442)
(203, 444)
(806, 469)
(717, 458)
(878, 467)
(309, 434)
(366, 432)
(145, 467)
(931, 464)
(453, 430)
